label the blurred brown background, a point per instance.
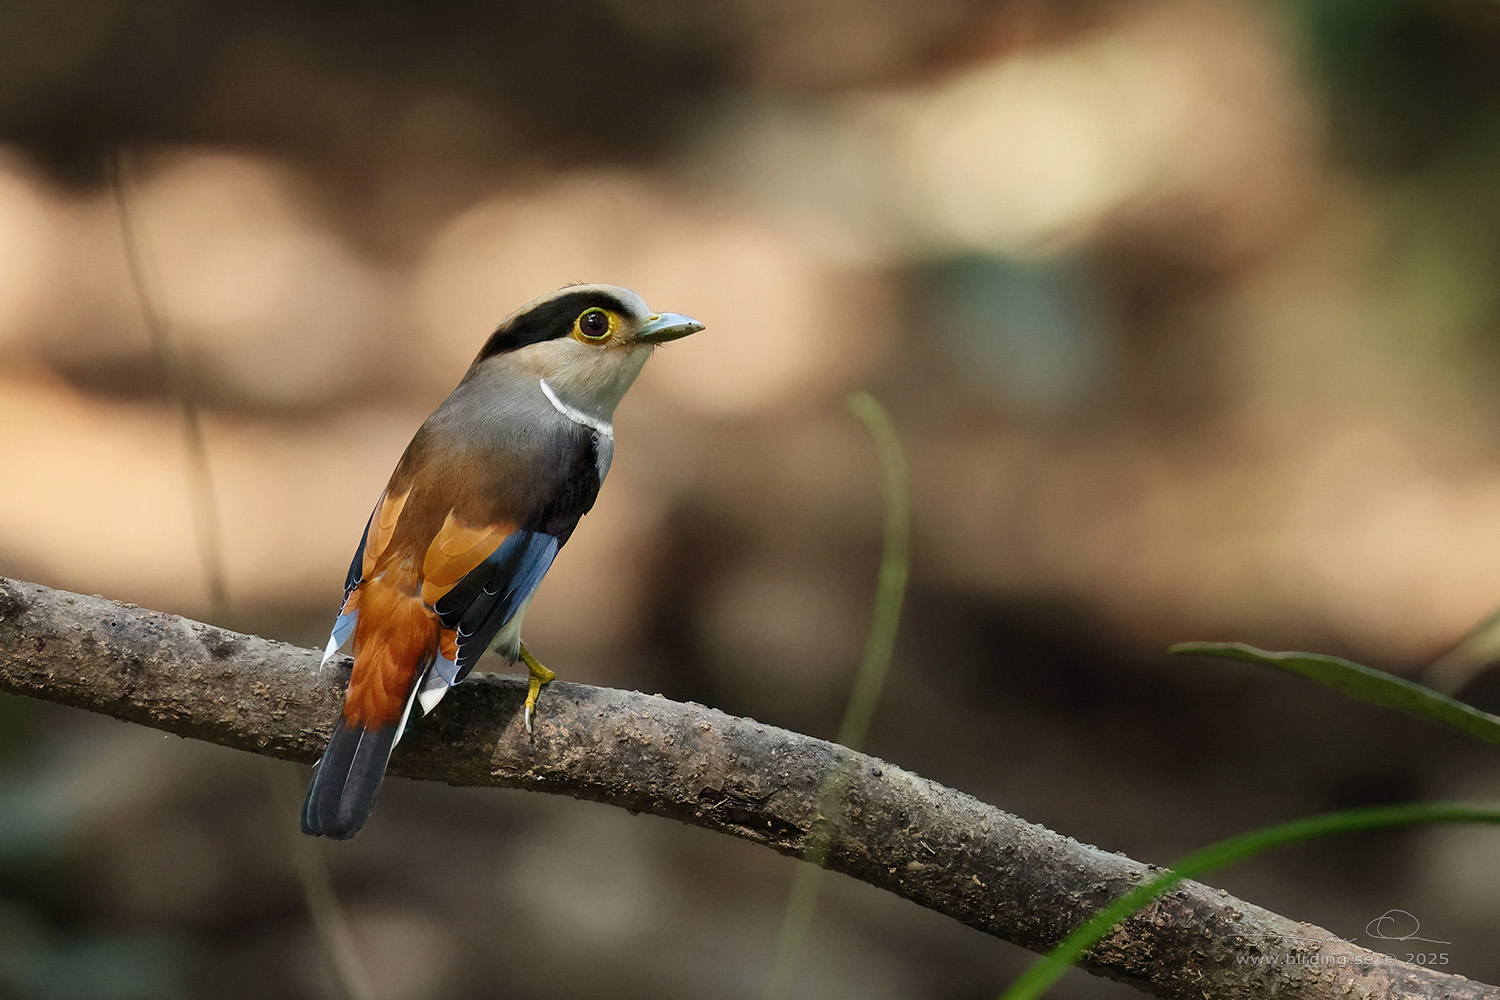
(1186, 312)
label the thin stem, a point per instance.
(869, 680)
(322, 901)
(306, 856)
(205, 511)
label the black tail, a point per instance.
(344, 784)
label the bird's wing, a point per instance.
(476, 579)
(479, 575)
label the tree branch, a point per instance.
(893, 829)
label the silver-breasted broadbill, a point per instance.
(488, 491)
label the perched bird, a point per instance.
(489, 489)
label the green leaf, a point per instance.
(1365, 683)
(1356, 680)
(1049, 968)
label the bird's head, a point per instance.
(587, 341)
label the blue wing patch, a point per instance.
(488, 597)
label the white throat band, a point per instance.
(603, 427)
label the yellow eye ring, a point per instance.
(594, 325)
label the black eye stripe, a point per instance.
(548, 320)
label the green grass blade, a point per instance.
(869, 681)
(895, 566)
(1050, 967)
(1478, 650)
(1365, 683)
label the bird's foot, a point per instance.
(539, 675)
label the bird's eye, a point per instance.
(594, 324)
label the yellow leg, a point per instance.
(539, 675)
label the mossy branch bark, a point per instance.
(938, 847)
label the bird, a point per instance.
(489, 489)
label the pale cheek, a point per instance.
(603, 375)
(594, 378)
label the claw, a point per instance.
(539, 675)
